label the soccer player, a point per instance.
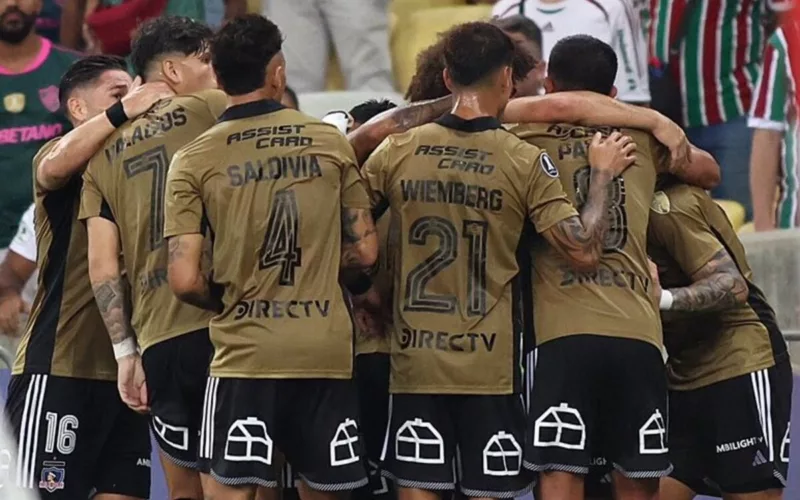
(528, 36)
(598, 335)
(122, 204)
(465, 195)
(728, 371)
(274, 186)
(75, 435)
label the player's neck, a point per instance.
(256, 95)
(16, 57)
(471, 105)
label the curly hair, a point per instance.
(428, 80)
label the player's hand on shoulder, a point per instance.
(612, 154)
(671, 135)
(142, 96)
(131, 383)
(11, 306)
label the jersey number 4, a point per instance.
(280, 248)
(617, 234)
(156, 161)
(475, 232)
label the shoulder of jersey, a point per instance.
(68, 54)
(676, 198)
(203, 95)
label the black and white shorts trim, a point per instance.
(733, 436)
(29, 432)
(435, 442)
(312, 421)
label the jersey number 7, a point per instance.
(156, 161)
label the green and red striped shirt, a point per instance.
(775, 108)
(720, 54)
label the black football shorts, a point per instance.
(313, 422)
(595, 396)
(733, 436)
(76, 438)
(176, 372)
(372, 381)
(443, 442)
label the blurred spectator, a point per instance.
(289, 99)
(30, 71)
(528, 36)
(18, 277)
(106, 25)
(775, 161)
(359, 32)
(713, 50)
(615, 22)
(49, 22)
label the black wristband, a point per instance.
(360, 285)
(116, 114)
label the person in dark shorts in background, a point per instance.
(474, 190)
(598, 330)
(76, 437)
(728, 370)
(122, 204)
(285, 331)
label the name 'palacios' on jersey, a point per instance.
(148, 129)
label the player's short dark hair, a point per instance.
(522, 25)
(167, 35)
(293, 96)
(473, 51)
(582, 62)
(367, 109)
(241, 51)
(85, 71)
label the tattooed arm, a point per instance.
(717, 286)
(359, 239)
(367, 137)
(109, 286)
(580, 239)
(186, 278)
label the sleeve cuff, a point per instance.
(23, 250)
(169, 232)
(764, 124)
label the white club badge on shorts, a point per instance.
(502, 455)
(175, 436)
(560, 427)
(418, 442)
(548, 166)
(249, 441)
(652, 435)
(341, 446)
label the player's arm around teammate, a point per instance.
(580, 239)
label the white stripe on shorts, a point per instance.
(29, 431)
(763, 398)
(388, 430)
(207, 425)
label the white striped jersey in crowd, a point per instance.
(24, 242)
(720, 54)
(775, 108)
(616, 22)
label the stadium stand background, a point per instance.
(413, 25)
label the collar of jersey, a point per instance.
(475, 125)
(250, 109)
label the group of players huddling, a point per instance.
(475, 242)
